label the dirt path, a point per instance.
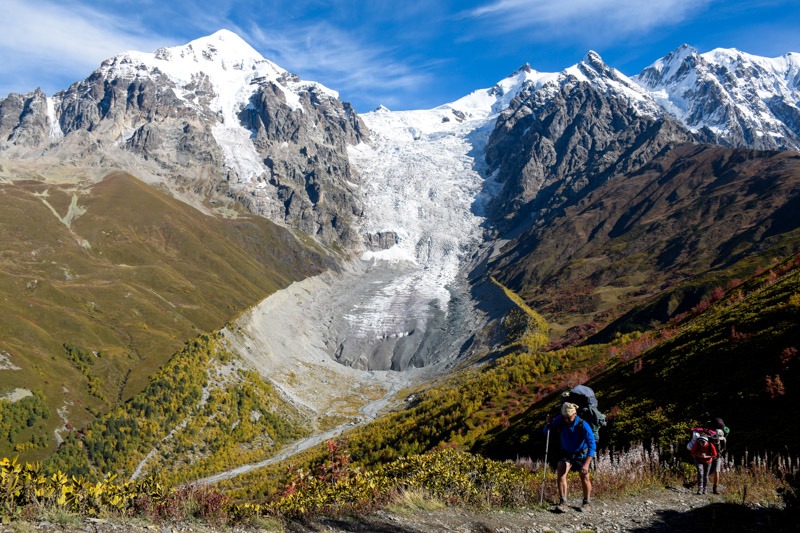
(656, 511)
(668, 510)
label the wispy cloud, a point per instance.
(38, 37)
(587, 19)
(322, 52)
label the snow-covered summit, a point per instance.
(610, 81)
(490, 102)
(223, 59)
(223, 45)
(217, 77)
(733, 97)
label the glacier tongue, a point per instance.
(421, 179)
(422, 172)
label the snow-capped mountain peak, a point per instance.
(593, 70)
(224, 59)
(217, 76)
(668, 67)
(489, 102)
(222, 45)
(728, 96)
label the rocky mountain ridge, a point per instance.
(213, 117)
(691, 210)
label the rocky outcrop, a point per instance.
(23, 120)
(305, 153)
(113, 106)
(381, 240)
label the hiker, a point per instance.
(578, 449)
(704, 452)
(718, 426)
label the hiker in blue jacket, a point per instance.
(578, 448)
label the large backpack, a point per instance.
(718, 437)
(584, 398)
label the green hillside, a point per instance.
(101, 285)
(201, 413)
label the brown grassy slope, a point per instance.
(126, 283)
(691, 211)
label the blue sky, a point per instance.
(406, 55)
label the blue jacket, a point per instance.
(577, 439)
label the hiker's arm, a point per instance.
(591, 443)
(585, 467)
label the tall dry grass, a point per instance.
(761, 479)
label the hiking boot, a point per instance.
(560, 507)
(715, 491)
(699, 491)
(705, 490)
(586, 505)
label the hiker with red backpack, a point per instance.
(578, 447)
(716, 433)
(704, 453)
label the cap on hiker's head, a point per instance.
(703, 438)
(569, 409)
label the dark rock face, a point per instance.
(23, 120)
(549, 149)
(382, 240)
(306, 154)
(98, 103)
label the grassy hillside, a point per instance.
(734, 356)
(201, 413)
(101, 285)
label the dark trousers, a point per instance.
(703, 469)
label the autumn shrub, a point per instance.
(446, 475)
(27, 492)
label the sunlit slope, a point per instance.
(101, 286)
(735, 357)
(202, 412)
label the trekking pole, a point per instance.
(544, 466)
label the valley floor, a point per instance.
(671, 509)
